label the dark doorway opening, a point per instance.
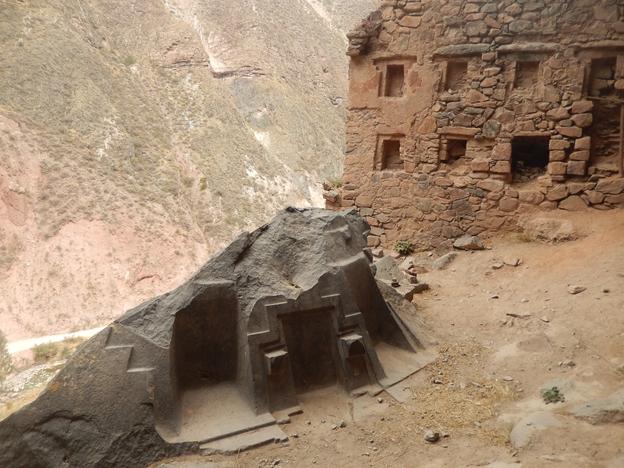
(527, 74)
(204, 343)
(311, 347)
(395, 80)
(529, 157)
(391, 155)
(456, 73)
(456, 150)
(602, 77)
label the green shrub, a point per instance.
(5, 358)
(552, 395)
(129, 61)
(44, 352)
(404, 247)
(62, 350)
(335, 182)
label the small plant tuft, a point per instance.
(48, 352)
(335, 183)
(129, 61)
(552, 395)
(404, 247)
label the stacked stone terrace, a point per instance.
(466, 114)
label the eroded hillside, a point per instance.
(137, 137)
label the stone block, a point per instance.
(508, 204)
(581, 107)
(480, 165)
(583, 120)
(490, 185)
(502, 152)
(558, 144)
(558, 192)
(364, 200)
(533, 197)
(610, 186)
(557, 155)
(582, 155)
(615, 199)
(558, 113)
(576, 187)
(410, 21)
(501, 167)
(557, 168)
(572, 132)
(577, 168)
(583, 143)
(573, 203)
(595, 198)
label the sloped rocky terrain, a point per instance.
(138, 137)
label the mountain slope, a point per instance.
(138, 137)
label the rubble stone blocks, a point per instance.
(481, 96)
(291, 305)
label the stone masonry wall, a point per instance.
(492, 104)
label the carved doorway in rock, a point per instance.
(311, 345)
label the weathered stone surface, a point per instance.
(549, 229)
(583, 120)
(531, 196)
(558, 192)
(461, 49)
(576, 168)
(581, 107)
(607, 411)
(469, 243)
(491, 185)
(527, 429)
(558, 113)
(610, 186)
(117, 402)
(443, 262)
(594, 197)
(573, 132)
(503, 79)
(508, 204)
(573, 203)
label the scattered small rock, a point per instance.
(508, 378)
(444, 261)
(437, 381)
(512, 261)
(573, 289)
(379, 400)
(469, 243)
(497, 265)
(377, 253)
(432, 437)
(567, 363)
(545, 319)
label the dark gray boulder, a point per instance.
(290, 306)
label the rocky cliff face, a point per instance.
(138, 137)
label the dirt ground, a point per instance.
(504, 335)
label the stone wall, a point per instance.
(494, 108)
